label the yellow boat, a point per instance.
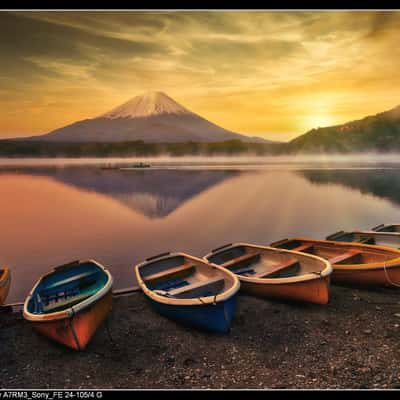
(353, 263)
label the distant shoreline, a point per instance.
(231, 148)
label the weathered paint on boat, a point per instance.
(5, 282)
(73, 326)
(197, 304)
(310, 283)
(366, 265)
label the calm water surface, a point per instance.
(53, 215)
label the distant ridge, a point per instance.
(380, 133)
(151, 117)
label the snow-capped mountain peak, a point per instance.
(146, 105)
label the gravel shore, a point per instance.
(353, 342)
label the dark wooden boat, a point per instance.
(5, 282)
(275, 273)
(353, 263)
(389, 239)
(395, 228)
(69, 303)
(189, 290)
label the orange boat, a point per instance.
(5, 281)
(275, 273)
(353, 263)
(69, 303)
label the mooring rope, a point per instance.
(387, 276)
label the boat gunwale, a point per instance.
(382, 226)
(5, 277)
(377, 233)
(75, 309)
(392, 263)
(278, 281)
(196, 301)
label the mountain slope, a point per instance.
(380, 132)
(152, 117)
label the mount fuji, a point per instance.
(151, 117)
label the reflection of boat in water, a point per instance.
(137, 165)
(109, 167)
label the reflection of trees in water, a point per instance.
(154, 193)
(384, 183)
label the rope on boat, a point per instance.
(214, 303)
(387, 276)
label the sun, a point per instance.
(318, 121)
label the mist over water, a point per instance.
(321, 160)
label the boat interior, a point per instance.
(374, 238)
(339, 254)
(352, 237)
(67, 286)
(387, 228)
(179, 276)
(267, 263)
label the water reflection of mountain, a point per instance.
(384, 183)
(154, 193)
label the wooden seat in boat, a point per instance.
(69, 301)
(197, 288)
(344, 256)
(168, 272)
(275, 269)
(303, 248)
(245, 257)
(71, 279)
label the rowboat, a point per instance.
(389, 239)
(353, 263)
(275, 273)
(189, 290)
(387, 228)
(5, 281)
(69, 303)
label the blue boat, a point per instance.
(189, 290)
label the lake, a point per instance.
(54, 214)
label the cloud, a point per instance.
(276, 68)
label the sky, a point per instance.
(275, 74)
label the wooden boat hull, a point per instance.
(208, 317)
(382, 269)
(368, 278)
(314, 291)
(69, 303)
(278, 274)
(5, 283)
(77, 330)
